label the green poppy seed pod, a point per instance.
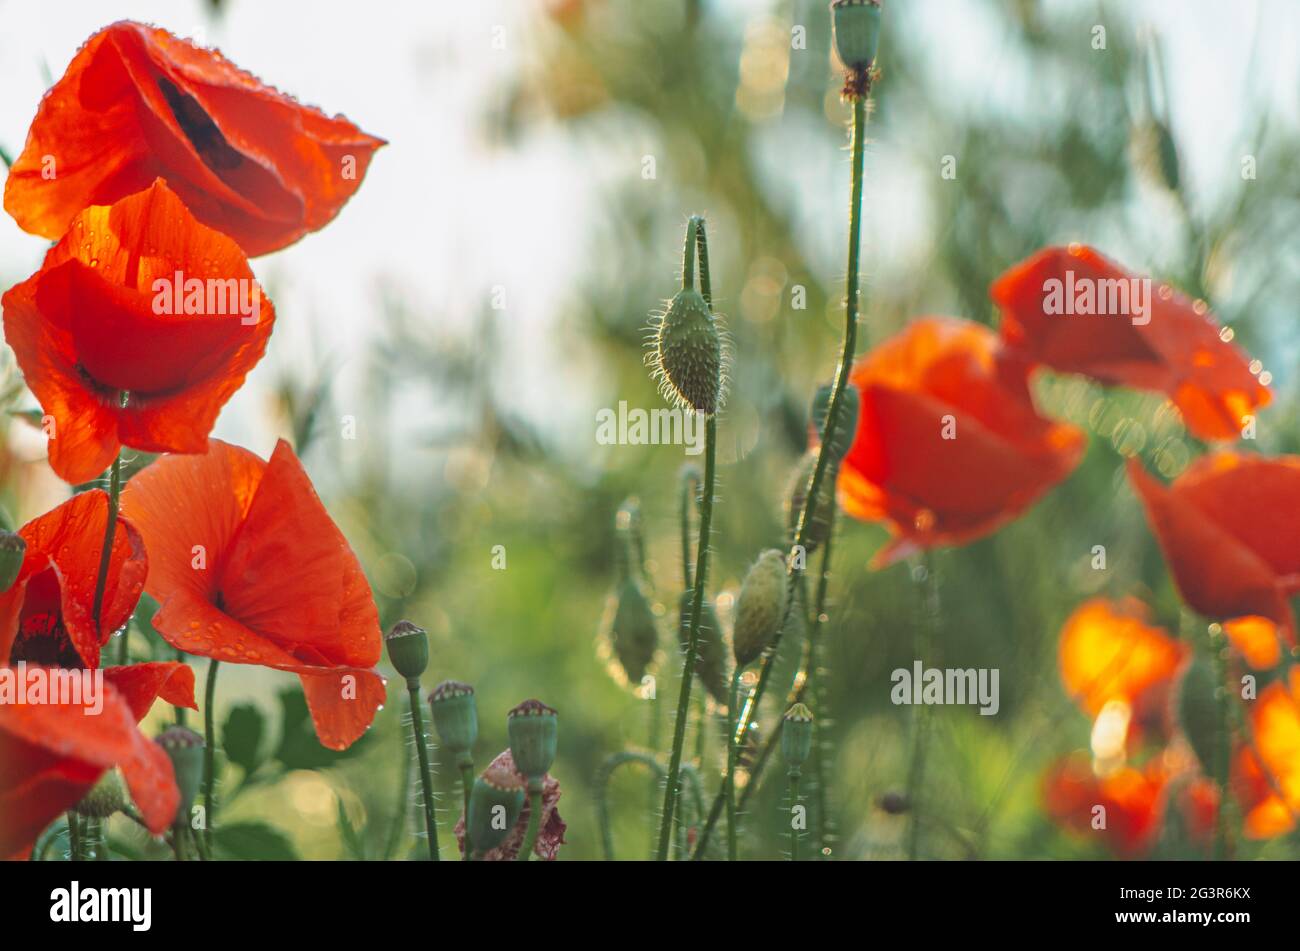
(846, 426)
(455, 717)
(760, 608)
(797, 494)
(533, 728)
(408, 649)
(687, 357)
(856, 25)
(494, 806)
(633, 631)
(710, 654)
(797, 735)
(184, 748)
(13, 548)
(105, 798)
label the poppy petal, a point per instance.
(1109, 651)
(141, 684)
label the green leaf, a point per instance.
(241, 737)
(254, 841)
(299, 747)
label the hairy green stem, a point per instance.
(695, 237)
(426, 775)
(75, 846)
(794, 826)
(209, 753)
(923, 645)
(730, 782)
(1223, 737)
(466, 785)
(105, 555)
(534, 824)
(603, 776)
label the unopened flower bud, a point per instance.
(819, 524)
(710, 654)
(494, 806)
(105, 798)
(533, 728)
(408, 649)
(687, 356)
(184, 748)
(13, 548)
(760, 608)
(633, 633)
(797, 735)
(846, 425)
(455, 717)
(856, 25)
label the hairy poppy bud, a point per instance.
(533, 728)
(408, 649)
(820, 525)
(856, 25)
(494, 806)
(633, 632)
(797, 735)
(687, 355)
(13, 547)
(455, 717)
(184, 748)
(710, 662)
(105, 798)
(761, 607)
(846, 425)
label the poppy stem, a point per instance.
(695, 237)
(74, 837)
(534, 824)
(105, 556)
(923, 644)
(730, 782)
(466, 784)
(807, 517)
(426, 776)
(794, 801)
(209, 753)
(1223, 737)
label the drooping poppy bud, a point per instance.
(797, 736)
(455, 717)
(184, 748)
(846, 424)
(533, 728)
(494, 806)
(408, 649)
(105, 798)
(856, 26)
(13, 548)
(710, 660)
(632, 630)
(819, 525)
(760, 609)
(687, 355)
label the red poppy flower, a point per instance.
(550, 832)
(138, 301)
(1073, 310)
(137, 103)
(949, 445)
(1230, 530)
(249, 569)
(1266, 774)
(1111, 655)
(51, 753)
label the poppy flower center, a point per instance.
(42, 638)
(199, 128)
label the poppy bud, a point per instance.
(633, 633)
(797, 735)
(710, 662)
(105, 798)
(820, 525)
(13, 547)
(455, 717)
(761, 606)
(1198, 711)
(893, 803)
(408, 649)
(494, 807)
(184, 748)
(846, 425)
(856, 25)
(687, 357)
(533, 728)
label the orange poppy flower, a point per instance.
(138, 327)
(249, 569)
(1111, 655)
(137, 103)
(1230, 530)
(948, 445)
(51, 753)
(1266, 774)
(1075, 311)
